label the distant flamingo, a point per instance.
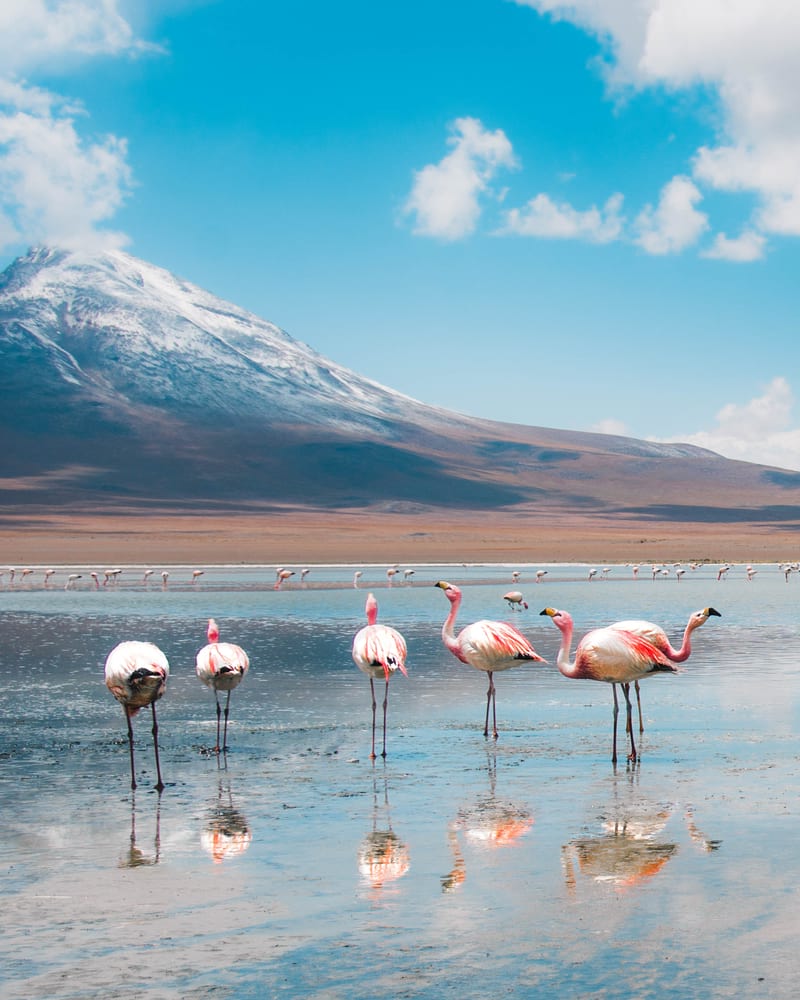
(281, 576)
(750, 572)
(71, 579)
(47, 574)
(164, 579)
(485, 645)
(610, 655)
(658, 637)
(221, 666)
(515, 575)
(304, 573)
(722, 573)
(147, 574)
(196, 574)
(96, 579)
(136, 674)
(357, 576)
(592, 574)
(391, 573)
(540, 575)
(515, 600)
(27, 572)
(378, 651)
(407, 574)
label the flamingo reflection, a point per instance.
(632, 848)
(383, 857)
(490, 822)
(226, 833)
(135, 857)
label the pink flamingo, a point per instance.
(281, 576)
(485, 645)
(136, 674)
(658, 637)
(221, 666)
(515, 600)
(611, 655)
(378, 651)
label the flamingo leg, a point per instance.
(629, 724)
(385, 706)
(639, 706)
(130, 745)
(490, 700)
(160, 784)
(225, 731)
(374, 705)
(616, 713)
(219, 713)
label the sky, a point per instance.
(581, 215)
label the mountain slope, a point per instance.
(123, 383)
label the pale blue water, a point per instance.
(294, 866)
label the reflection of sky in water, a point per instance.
(297, 811)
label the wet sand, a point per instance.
(294, 536)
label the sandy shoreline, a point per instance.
(295, 536)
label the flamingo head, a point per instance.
(371, 609)
(451, 591)
(700, 617)
(213, 631)
(561, 619)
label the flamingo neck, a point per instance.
(562, 661)
(679, 655)
(449, 627)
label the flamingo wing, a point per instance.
(613, 655)
(490, 645)
(222, 665)
(380, 649)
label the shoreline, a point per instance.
(367, 537)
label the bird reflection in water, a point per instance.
(489, 822)
(226, 833)
(383, 857)
(135, 857)
(632, 849)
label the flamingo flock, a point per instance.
(622, 654)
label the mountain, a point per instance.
(124, 384)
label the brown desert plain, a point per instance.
(294, 535)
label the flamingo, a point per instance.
(147, 574)
(136, 674)
(281, 575)
(750, 573)
(611, 655)
(658, 637)
(515, 600)
(96, 579)
(47, 574)
(196, 574)
(540, 575)
(356, 577)
(222, 667)
(485, 645)
(378, 650)
(407, 574)
(391, 573)
(592, 574)
(515, 575)
(164, 579)
(304, 573)
(71, 579)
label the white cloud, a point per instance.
(747, 246)
(58, 184)
(759, 431)
(33, 33)
(445, 198)
(675, 223)
(746, 52)
(611, 426)
(543, 217)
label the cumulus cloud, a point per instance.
(545, 218)
(446, 196)
(58, 183)
(674, 223)
(758, 431)
(747, 53)
(748, 246)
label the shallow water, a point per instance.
(294, 866)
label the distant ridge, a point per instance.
(125, 385)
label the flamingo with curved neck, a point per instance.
(612, 655)
(485, 645)
(655, 634)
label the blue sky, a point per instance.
(578, 215)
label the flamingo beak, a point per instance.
(712, 611)
(549, 611)
(443, 584)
